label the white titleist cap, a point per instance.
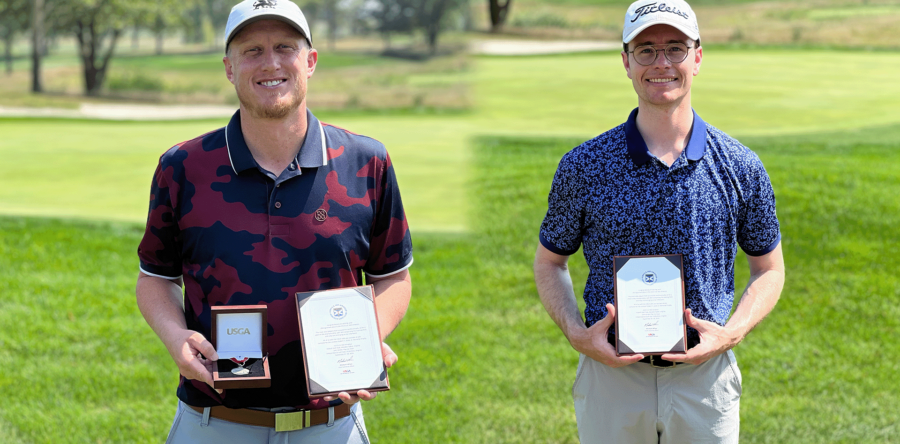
(643, 14)
(249, 11)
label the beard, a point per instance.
(283, 107)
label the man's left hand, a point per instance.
(714, 340)
(390, 358)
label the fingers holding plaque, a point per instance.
(341, 341)
(649, 294)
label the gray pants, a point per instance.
(642, 404)
(191, 427)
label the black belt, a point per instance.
(656, 361)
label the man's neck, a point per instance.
(665, 130)
(274, 143)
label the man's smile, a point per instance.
(271, 83)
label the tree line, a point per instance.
(98, 25)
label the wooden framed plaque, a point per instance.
(239, 334)
(649, 292)
(341, 342)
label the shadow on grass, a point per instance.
(480, 361)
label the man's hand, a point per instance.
(593, 343)
(714, 340)
(194, 356)
(390, 358)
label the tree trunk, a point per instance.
(89, 44)
(499, 12)
(433, 32)
(7, 52)
(160, 33)
(467, 16)
(331, 16)
(135, 38)
(37, 43)
(433, 28)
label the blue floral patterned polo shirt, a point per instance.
(611, 195)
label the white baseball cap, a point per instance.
(249, 11)
(643, 14)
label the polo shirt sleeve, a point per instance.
(563, 226)
(160, 249)
(390, 250)
(758, 228)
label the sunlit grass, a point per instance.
(480, 361)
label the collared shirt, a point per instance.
(614, 197)
(240, 235)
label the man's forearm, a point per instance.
(554, 286)
(392, 294)
(756, 303)
(160, 302)
(762, 293)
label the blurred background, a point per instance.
(476, 100)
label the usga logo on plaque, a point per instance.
(338, 311)
(649, 278)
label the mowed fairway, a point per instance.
(480, 361)
(752, 91)
(101, 170)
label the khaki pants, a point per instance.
(642, 404)
(191, 427)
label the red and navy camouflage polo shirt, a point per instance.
(240, 235)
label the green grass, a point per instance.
(343, 81)
(102, 170)
(480, 361)
(624, 3)
(855, 24)
(758, 91)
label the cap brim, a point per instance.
(691, 34)
(257, 18)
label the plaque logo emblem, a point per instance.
(239, 331)
(264, 4)
(321, 215)
(338, 312)
(648, 278)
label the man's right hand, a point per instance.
(194, 356)
(592, 342)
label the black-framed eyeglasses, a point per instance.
(647, 54)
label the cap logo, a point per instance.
(264, 4)
(321, 215)
(650, 8)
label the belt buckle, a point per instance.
(288, 422)
(653, 363)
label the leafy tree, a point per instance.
(98, 24)
(394, 16)
(204, 16)
(431, 19)
(165, 16)
(406, 16)
(499, 10)
(15, 16)
(218, 11)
